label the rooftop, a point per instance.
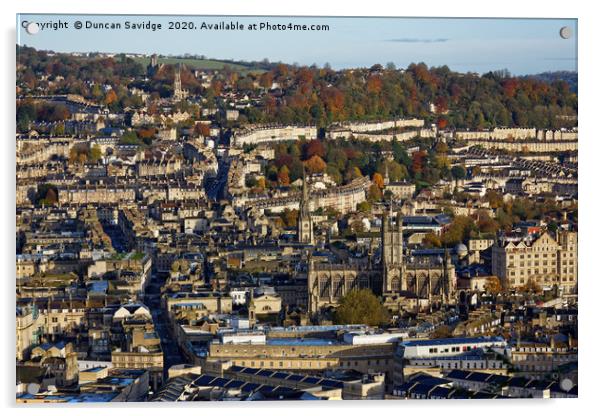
(447, 341)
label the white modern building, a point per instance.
(447, 347)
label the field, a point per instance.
(194, 63)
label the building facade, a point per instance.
(546, 261)
(401, 280)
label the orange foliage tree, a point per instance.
(378, 180)
(283, 176)
(316, 164)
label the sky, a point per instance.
(522, 46)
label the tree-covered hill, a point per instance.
(290, 94)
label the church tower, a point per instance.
(305, 230)
(392, 252)
(178, 93)
(386, 178)
(252, 311)
(153, 66)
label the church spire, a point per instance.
(305, 226)
(386, 174)
(178, 93)
(304, 195)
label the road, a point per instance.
(152, 298)
(118, 240)
(216, 189)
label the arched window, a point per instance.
(324, 287)
(338, 286)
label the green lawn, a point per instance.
(194, 63)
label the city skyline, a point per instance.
(192, 231)
(522, 46)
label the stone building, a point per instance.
(302, 355)
(403, 281)
(275, 134)
(96, 194)
(401, 190)
(547, 261)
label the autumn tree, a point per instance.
(352, 173)
(494, 198)
(431, 240)
(95, 153)
(79, 153)
(418, 161)
(315, 164)
(261, 182)
(442, 331)
(202, 129)
(378, 180)
(361, 307)
(110, 97)
(313, 148)
(334, 101)
(441, 147)
(51, 197)
(146, 134)
(459, 230)
(319, 96)
(493, 285)
(441, 105)
(289, 217)
(283, 176)
(397, 171)
(485, 223)
(374, 84)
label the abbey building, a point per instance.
(405, 282)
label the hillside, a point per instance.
(197, 63)
(570, 77)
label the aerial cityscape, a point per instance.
(197, 229)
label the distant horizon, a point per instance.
(465, 45)
(243, 61)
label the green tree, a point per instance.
(459, 230)
(361, 307)
(431, 240)
(374, 193)
(95, 153)
(441, 331)
(364, 206)
(130, 137)
(458, 172)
